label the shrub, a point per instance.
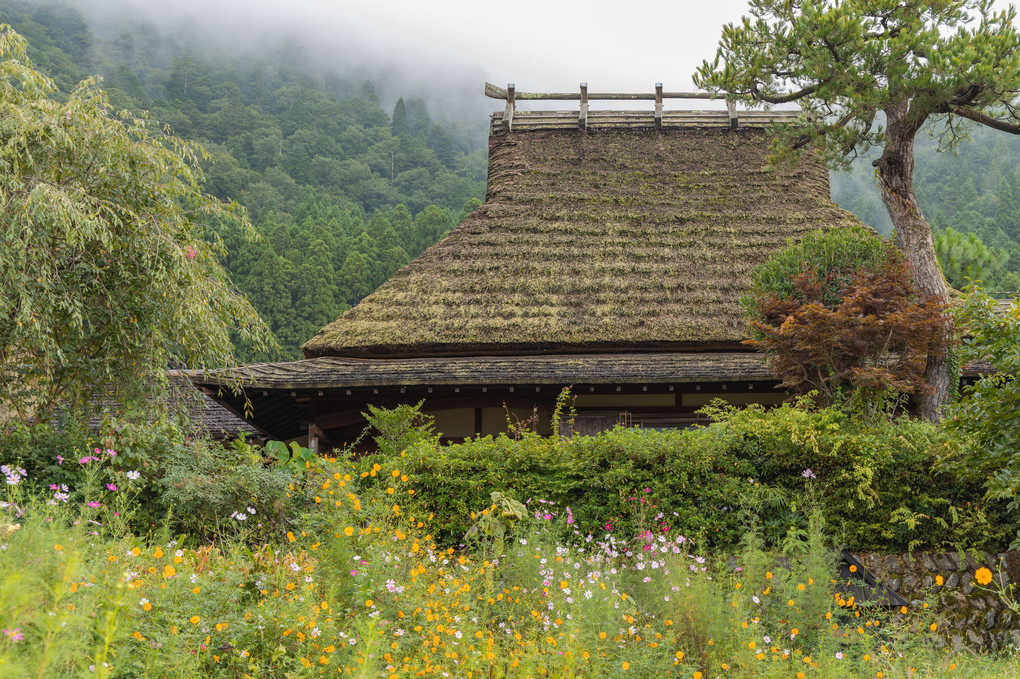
(838, 314)
(873, 480)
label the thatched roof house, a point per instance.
(610, 258)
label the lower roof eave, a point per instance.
(330, 373)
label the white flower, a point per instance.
(251, 510)
(134, 475)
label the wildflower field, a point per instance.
(358, 586)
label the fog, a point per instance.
(444, 51)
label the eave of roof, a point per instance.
(330, 372)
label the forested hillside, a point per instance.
(972, 189)
(345, 188)
(343, 191)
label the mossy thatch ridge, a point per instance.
(596, 240)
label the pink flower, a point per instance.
(85, 460)
(14, 634)
(110, 486)
(547, 517)
(93, 504)
(609, 527)
(648, 490)
(60, 459)
(110, 452)
(190, 252)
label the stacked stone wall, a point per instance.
(976, 616)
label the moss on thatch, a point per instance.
(596, 240)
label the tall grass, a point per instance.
(359, 588)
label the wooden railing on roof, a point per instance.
(512, 119)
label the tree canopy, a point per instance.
(108, 252)
(872, 73)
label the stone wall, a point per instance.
(976, 615)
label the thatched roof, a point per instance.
(596, 240)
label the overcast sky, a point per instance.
(626, 45)
(453, 45)
(545, 45)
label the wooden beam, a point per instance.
(495, 92)
(582, 118)
(658, 106)
(508, 112)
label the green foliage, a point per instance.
(295, 458)
(833, 258)
(204, 486)
(873, 478)
(875, 483)
(965, 258)
(985, 417)
(109, 257)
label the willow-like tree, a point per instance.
(108, 248)
(873, 73)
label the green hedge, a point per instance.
(874, 480)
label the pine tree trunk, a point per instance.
(896, 181)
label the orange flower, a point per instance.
(983, 576)
(195, 619)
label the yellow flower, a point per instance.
(195, 619)
(348, 531)
(939, 580)
(697, 675)
(626, 666)
(395, 473)
(147, 606)
(168, 571)
(983, 576)
(679, 655)
(368, 603)
(290, 537)
(58, 547)
(158, 553)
